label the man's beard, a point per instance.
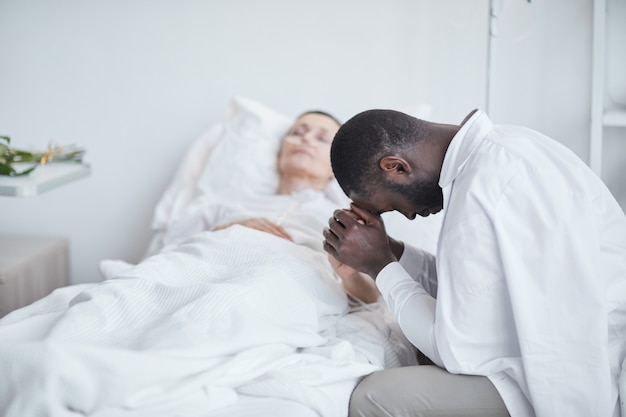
(421, 194)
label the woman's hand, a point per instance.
(344, 271)
(259, 223)
(358, 285)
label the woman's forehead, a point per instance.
(316, 120)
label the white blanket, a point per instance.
(230, 312)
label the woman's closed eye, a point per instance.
(324, 138)
(299, 131)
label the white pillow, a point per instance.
(245, 157)
(182, 188)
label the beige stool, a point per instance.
(30, 268)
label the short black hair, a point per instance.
(362, 142)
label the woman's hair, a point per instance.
(362, 142)
(323, 113)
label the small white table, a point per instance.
(31, 268)
(43, 178)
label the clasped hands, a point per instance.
(357, 238)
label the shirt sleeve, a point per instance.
(420, 265)
(409, 301)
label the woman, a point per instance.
(303, 166)
(299, 209)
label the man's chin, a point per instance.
(432, 210)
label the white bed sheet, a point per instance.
(228, 314)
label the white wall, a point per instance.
(134, 82)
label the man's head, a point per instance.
(386, 160)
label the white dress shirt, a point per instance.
(530, 281)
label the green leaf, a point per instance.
(25, 172)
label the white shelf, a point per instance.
(615, 118)
(603, 113)
(43, 178)
(597, 85)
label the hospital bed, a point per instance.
(246, 377)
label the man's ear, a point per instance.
(396, 168)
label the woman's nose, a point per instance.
(309, 138)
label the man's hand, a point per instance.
(357, 238)
(260, 223)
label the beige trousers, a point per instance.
(425, 391)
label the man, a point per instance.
(525, 301)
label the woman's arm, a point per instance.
(258, 223)
(358, 286)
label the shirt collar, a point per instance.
(472, 132)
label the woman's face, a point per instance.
(305, 151)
